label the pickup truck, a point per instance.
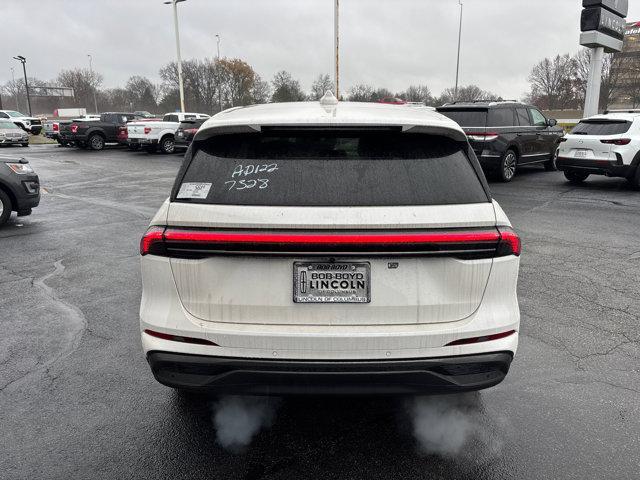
(111, 128)
(51, 128)
(153, 134)
(28, 124)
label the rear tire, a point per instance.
(635, 179)
(5, 207)
(167, 145)
(96, 142)
(508, 166)
(550, 166)
(575, 177)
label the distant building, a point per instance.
(625, 70)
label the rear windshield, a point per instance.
(336, 168)
(474, 117)
(601, 127)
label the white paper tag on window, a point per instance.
(194, 190)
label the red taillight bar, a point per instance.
(486, 338)
(504, 239)
(329, 238)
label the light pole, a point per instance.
(459, 44)
(336, 29)
(175, 20)
(95, 101)
(23, 60)
(13, 77)
(219, 82)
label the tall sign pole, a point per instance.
(459, 44)
(603, 25)
(336, 28)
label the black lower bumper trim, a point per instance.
(597, 167)
(238, 376)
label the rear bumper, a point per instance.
(598, 167)
(142, 141)
(223, 375)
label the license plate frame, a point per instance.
(303, 287)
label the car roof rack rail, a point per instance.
(622, 110)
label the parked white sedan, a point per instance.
(330, 248)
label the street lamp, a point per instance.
(336, 31)
(95, 101)
(175, 20)
(219, 82)
(13, 77)
(459, 43)
(23, 60)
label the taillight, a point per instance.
(482, 136)
(191, 131)
(187, 243)
(74, 128)
(147, 130)
(152, 241)
(509, 243)
(619, 141)
(56, 127)
(485, 338)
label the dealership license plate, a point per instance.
(581, 154)
(331, 282)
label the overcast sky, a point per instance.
(385, 43)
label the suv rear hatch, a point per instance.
(251, 212)
(473, 121)
(593, 139)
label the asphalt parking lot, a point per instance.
(77, 399)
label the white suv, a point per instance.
(603, 145)
(330, 248)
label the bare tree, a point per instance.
(84, 83)
(261, 91)
(360, 93)
(320, 86)
(420, 93)
(286, 89)
(551, 82)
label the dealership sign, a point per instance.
(603, 24)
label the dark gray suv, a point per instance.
(507, 134)
(19, 188)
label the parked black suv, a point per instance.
(507, 134)
(186, 131)
(111, 128)
(19, 188)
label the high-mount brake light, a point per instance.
(483, 136)
(486, 338)
(618, 141)
(178, 338)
